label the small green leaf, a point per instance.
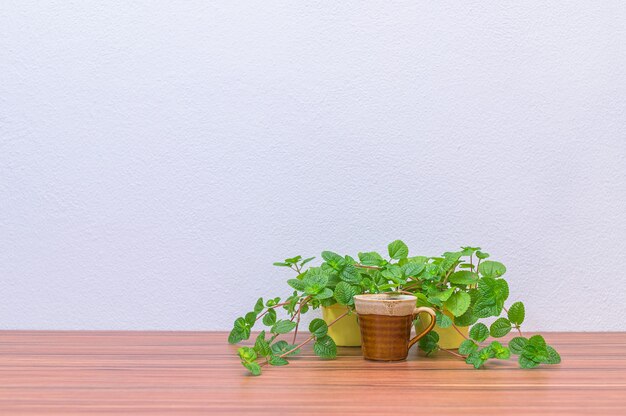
(283, 326)
(491, 269)
(443, 321)
(428, 343)
(499, 351)
(458, 303)
(398, 250)
(253, 367)
(270, 318)
(526, 362)
(463, 277)
(344, 293)
(325, 347)
(261, 346)
(278, 361)
(236, 335)
(553, 356)
(467, 319)
(281, 347)
(280, 264)
(392, 272)
(297, 284)
(334, 260)
(324, 294)
(479, 332)
(293, 260)
(258, 307)
(250, 318)
(305, 261)
(350, 274)
(412, 269)
(517, 313)
(482, 255)
(517, 345)
(442, 296)
(318, 328)
(537, 341)
(500, 327)
(247, 354)
(371, 259)
(467, 347)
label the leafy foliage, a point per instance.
(462, 286)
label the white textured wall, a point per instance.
(157, 157)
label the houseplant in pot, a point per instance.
(444, 283)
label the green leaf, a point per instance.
(393, 272)
(412, 269)
(296, 284)
(467, 347)
(517, 313)
(517, 345)
(463, 277)
(281, 347)
(499, 351)
(235, 336)
(479, 332)
(305, 261)
(293, 260)
(476, 358)
(482, 255)
(428, 343)
(318, 328)
(247, 354)
(466, 319)
(325, 347)
(526, 362)
(350, 274)
(324, 294)
(537, 341)
(253, 367)
(334, 260)
(261, 346)
(283, 326)
(316, 277)
(250, 318)
(344, 293)
(442, 296)
(280, 264)
(398, 250)
(371, 259)
(484, 309)
(491, 269)
(553, 356)
(443, 321)
(258, 307)
(270, 318)
(458, 303)
(278, 361)
(500, 327)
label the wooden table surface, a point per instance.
(174, 373)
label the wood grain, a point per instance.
(180, 373)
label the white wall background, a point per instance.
(156, 157)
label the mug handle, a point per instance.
(431, 325)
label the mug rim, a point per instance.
(384, 297)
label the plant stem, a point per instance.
(271, 307)
(302, 303)
(452, 352)
(309, 339)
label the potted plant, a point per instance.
(451, 284)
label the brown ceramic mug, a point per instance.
(386, 321)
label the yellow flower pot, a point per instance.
(449, 338)
(346, 331)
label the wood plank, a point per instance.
(164, 373)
